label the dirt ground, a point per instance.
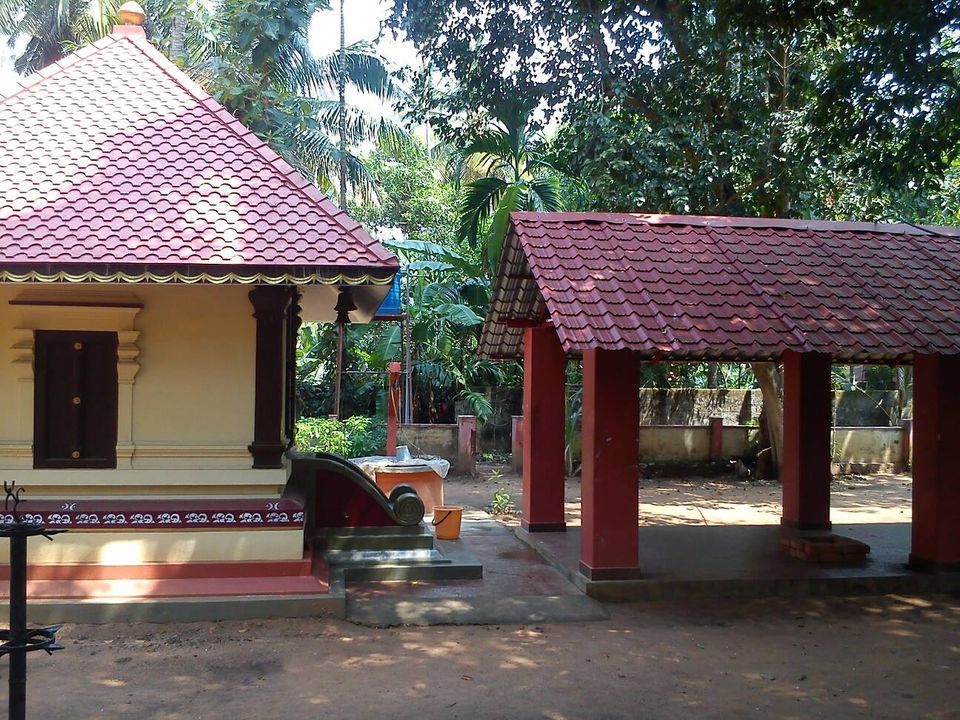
(873, 658)
(891, 657)
(705, 501)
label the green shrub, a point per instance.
(501, 503)
(356, 436)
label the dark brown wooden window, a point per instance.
(75, 399)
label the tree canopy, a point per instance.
(758, 107)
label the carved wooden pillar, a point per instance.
(290, 349)
(270, 303)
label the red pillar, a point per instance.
(936, 462)
(610, 482)
(807, 419)
(544, 430)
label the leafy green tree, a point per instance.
(753, 107)
(52, 27)
(418, 200)
(449, 294)
(448, 300)
(258, 63)
(722, 106)
(254, 57)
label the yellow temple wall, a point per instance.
(187, 363)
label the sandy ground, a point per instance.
(706, 501)
(892, 657)
(873, 658)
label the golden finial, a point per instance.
(130, 13)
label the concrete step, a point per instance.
(134, 589)
(393, 553)
(344, 542)
(337, 558)
(193, 608)
(389, 609)
(446, 570)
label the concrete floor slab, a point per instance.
(745, 561)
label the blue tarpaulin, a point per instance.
(392, 305)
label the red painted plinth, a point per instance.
(807, 417)
(610, 484)
(936, 461)
(544, 428)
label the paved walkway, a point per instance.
(699, 537)
(518, 586)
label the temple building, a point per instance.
(156, 260)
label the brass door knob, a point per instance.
(75, 454)
(78, 346)
(76, 400)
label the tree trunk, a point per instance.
(342, 121)
(177, 33)
(768, 377)
(712, 369)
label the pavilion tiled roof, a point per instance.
(712, 288)
(112, 158)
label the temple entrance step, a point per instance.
(338, 558)
(357, 539)
(444, 569)
(393, 553)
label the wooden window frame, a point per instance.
(41, 459)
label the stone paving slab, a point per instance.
(517, 587)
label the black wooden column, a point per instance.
(270, 303)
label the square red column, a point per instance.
(544, 430)
(936, 462)
(807, 421)
(610, 483)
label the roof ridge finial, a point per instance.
(131, 13)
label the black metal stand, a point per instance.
(18, 640)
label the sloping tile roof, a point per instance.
(687, 288)
(113, 156)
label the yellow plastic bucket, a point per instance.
(446, 521)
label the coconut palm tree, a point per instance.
(53, 27)
(513, 171)
(255, 58)
(259, 64)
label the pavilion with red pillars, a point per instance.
(617, 290)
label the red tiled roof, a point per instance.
(113, 156)
(686, 287)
